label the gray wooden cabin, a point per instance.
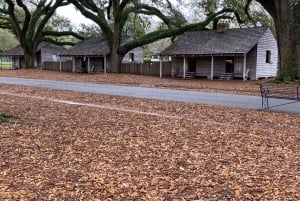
(45, 52)
(92, 55)
(17, 57)
(247, 53)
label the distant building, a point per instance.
(45, 52)
(92, 55)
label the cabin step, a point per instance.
(190, 75)
(226, 76)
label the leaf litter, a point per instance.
(119, 148)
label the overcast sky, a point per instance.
(74, 15)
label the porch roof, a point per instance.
(18, 50)
(206, 43)
(88, 47)
(92, 47)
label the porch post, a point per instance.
(105, 64)
(184, 67)
(73, 64)
(59, 62)
(212, 68)
(244, 67)
(160, 67)
(89, 67)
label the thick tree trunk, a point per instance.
(115, 61)
(115, 56)
(29, 59)
(298, 56)
(286, 36)
(282, 14)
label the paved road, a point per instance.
(239, 101)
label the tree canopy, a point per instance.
(113, 16)
(7, 39)
(35, 21)
(28, 22)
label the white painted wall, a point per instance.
(267, 42)
(251, 63)
(138, 56)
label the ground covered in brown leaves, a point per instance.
(62, 145)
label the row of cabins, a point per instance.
(247, 53)
(89, 55)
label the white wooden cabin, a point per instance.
(248, 53)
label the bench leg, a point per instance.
(265, 102)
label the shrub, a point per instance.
(147, 59)
(290, 72)
(288, 75)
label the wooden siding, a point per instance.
(251, 63)
(81, 64)
(267, 42)
(97, 64)
(47, 54)
(204, 66)
(65, 66)
(150, 69)
(18, 62)
(238, 64)
(138, 56)
(255, 61)
(177, 66)
(219, 66)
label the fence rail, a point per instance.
(150, 69)
(66, 66)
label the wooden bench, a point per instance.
(279, 91)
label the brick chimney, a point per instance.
(222, 27)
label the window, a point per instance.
(54, 57)
(131, 56)
(268, 56)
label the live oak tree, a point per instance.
(61, 25)
(7, 39)
(282, 12)
(252, 15)
(27, 21)
(113, 15)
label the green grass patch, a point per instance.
(5, 65)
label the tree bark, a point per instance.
(115, 61)
(282, 14)
(29, 57)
